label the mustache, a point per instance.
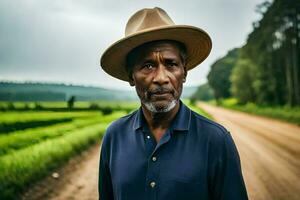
(159, 90)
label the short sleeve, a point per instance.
(228, 183)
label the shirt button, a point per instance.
(152, 184)
(154, 158)
(148, 136)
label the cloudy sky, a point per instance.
(62, 40)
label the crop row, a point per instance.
(21, 139)
(77, 104)
(12, 117)
(106, 107)
(21, 168)
(12, 121)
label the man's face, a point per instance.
(158, 74)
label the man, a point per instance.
(164, 151)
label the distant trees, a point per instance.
(14, 91)
(266, 70)
(204, 92)
(274, 48)
(32, 96)
(243, 81)
(219, 76)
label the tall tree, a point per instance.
(274, 48)
(243, 81)
(219, 75)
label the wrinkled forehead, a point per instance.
(172, 49)
(158, 48)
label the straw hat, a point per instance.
(148, 25)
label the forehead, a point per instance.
(164, 48)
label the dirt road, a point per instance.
(269, 151)
(77, 180)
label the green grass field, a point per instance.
(285, 113)
(33, 142)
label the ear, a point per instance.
(131, 80)
(185, 74)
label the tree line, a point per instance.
(266, 70)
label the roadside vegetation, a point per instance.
(285, 113)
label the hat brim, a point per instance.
(197, 42)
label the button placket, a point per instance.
(152, 177)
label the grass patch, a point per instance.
(104, 106)
(21, 168)
(21, 139)
(29, 155)
(28, 116)
(13, 121)
(7, 128)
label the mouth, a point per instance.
(161, 95)
(165, 94)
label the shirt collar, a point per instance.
(138, 120)
(182, 118)
(181, 121)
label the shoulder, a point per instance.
(211, 130)
(209, 124)
(119, 125)
(122, 122)
(218, 138)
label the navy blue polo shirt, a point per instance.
(196, 159)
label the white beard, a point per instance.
(150, 106)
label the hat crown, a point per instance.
(148, 18)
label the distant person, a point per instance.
(71, 102)
(164, 150)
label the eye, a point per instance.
(148, 66)
(172, 64)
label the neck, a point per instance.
(160, 120)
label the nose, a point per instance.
(161, 75)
